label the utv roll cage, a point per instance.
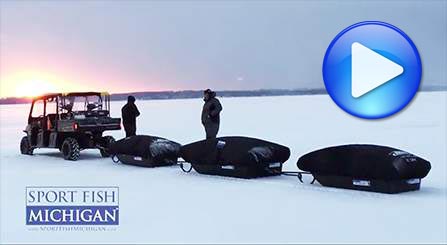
(64, 103)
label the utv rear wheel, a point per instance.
(107, 141)
(25, 147)
(71, 149)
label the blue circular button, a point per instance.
(372, 70)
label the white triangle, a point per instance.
(370, 70)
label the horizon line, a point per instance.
(251, 93)
(434, 87)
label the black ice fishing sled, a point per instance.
(366, 167)
(145, 151)
(240, 157)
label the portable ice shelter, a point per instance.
(366, 167)
(145, 151)
(236, 156)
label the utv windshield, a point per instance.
(81, 103)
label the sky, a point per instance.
(127, 46)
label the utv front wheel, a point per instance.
(71, 149)
(107, 141)
(25, 147)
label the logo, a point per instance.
(407, 157)
(413, 181)
(399, 153)
(72, 206)
(365, 183)
(372, 70)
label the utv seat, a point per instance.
(51, 122)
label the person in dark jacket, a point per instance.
(211, 113)
(129, 113)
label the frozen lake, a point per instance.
(165, 205)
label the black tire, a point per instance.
(25, 147)
(70, 149)
(107, 141)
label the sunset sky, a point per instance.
(125, 46)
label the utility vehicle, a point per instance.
(69, 122)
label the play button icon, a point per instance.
(372, 70)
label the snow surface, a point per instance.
(165, 205)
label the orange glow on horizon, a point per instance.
(31, 88)
(30, 84)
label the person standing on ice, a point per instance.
(129, 113)
(211, 113)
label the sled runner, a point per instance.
(240, 157)
(366, 167)
(145, 151)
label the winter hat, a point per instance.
(131, 99)
(210, 92)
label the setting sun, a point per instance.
(30, 84)
(32, 88)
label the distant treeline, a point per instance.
(188, 94)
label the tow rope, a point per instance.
(298, 174)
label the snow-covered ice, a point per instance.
(166, 205)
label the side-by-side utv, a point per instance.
(69, 122)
